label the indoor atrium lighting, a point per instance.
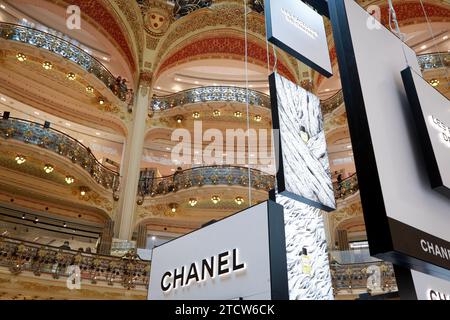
(89, 89)
(239, 200)
(173, 207)
(47, 65)
(179, 118)
(83, 191)
(192, 202)
(216, 113)
(71, 76)
(20, 159)
(48, 168)
(196, 115)
(21, 57)
(101, 101)
(434, 82)
(238, 114)
(257, 118)
(215, 199)
(70, 179)
(65, 225)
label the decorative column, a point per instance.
(343, 240)
(104, 246)
(141, 240)
(131, 164)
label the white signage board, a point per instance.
(407, 221)
(300, 31)
(430, 288)
(227, 260)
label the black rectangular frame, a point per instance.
(389, 239)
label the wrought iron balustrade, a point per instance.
(363, 276)
(346, 187)
(208, 175)
(330, 104)
(434, 60)
(209, 94)
(62, 144)
(65, 49)
(23, 256)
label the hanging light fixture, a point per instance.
(20, 159)
(179, 118)
(173, 207)
(215, 199)
(257, 118)
(70, 179)
(216, 113)
(196, 115)
(193, 202)
(65, 225)
(89, 89)
(48, 168)
(238, 114)
(83, 191)
(21, 57)
(101, 101)
(71, 76)
(47, 65)
(239, 200)
(434, 82)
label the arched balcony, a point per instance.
(205, 176)
(62, 144)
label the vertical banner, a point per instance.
(303, 166)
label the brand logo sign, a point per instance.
(300, 31)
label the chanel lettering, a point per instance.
(436, 295)
(299, 24)
(444, 130)
(435, 249)
(222, 264)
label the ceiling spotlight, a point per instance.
(444, 37)
(71, 76)
(423, 47)
(192, 202)
(239, 200)
(179, 118)
(21, 57)
(216, 113)
(48, 168)
(153, 238)
(65, 225)
(23, 217)
(89, 89)
(238, 114)
(434, 82)
(36, 219)
(47, 65)
(257, 118)
(83, 191)
(20, 159)
(215, 199)
(101, 101)
(196, 115)
(173, 207)
(70, 179)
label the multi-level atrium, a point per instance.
(88, 166)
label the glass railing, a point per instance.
(62, 144)
(209, 94)
(346, 187)
(64, 49)
(434, 60)
(208, 175)
(23, 256)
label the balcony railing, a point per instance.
(346, 187)
(359, 276)
(22, 256)
(332, 103)
(209, 94)
(434, 60)
(210, 175)
(64, 49)
(62, 144)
